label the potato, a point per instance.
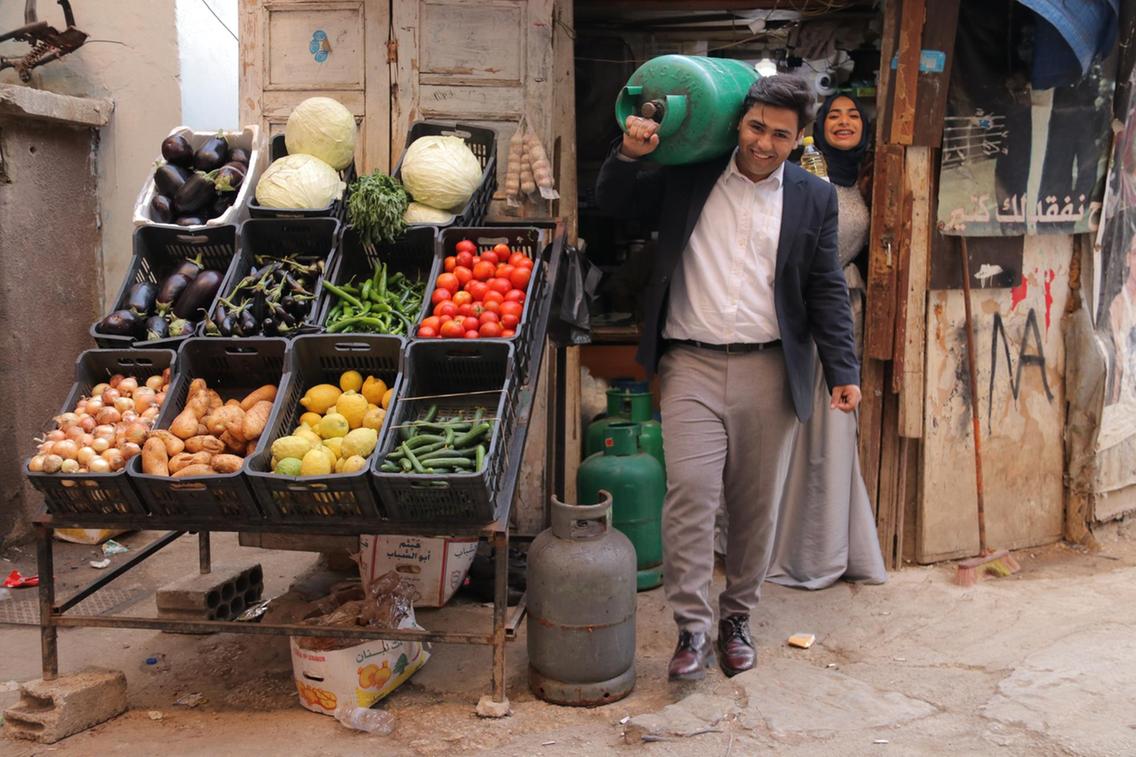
(227, 418)
(204, 443)
(255, 420)
(195, 386)
(214, 400)
(226, 463)
(266, 392)
(185, 459)
(172, 443)
(155, 462)
(194, 470)
(185, 425)
(232, 444)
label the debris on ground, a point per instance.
(17, 580)
(100, 564)
(191, 700)
(111, 547)
(802, 640)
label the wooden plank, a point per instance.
(375, 152)
(890, 486)
(907, 71)
(902, 279)
(251, 66)
(911, 346)
(931, 95)
(885, 91)
(528, 505)
(871, 420)
(572, 441)
(884, 236)
(563, 118)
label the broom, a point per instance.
(998, 563)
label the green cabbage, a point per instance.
(299, 181)
(323, 128)
(416, 212)
(441, 172)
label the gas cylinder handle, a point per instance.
(669, 110)
(674, 113)
(565, 518)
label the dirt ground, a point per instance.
(1042, 663)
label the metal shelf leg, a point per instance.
(48, 631)
(500, 611)
(203, 556)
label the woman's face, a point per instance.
(842, 125)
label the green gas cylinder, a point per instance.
(624, 406)
(697, 102)
(637, 486)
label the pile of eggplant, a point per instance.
(273, 299)
(167, 309)
(196, 185)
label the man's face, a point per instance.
(766, 136)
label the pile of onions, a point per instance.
(105, 429)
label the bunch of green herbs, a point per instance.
(375, 207)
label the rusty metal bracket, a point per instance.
(47, 42)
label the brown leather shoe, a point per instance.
(693, 654)
(736, 645)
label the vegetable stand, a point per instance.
(55, 613)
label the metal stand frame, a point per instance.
(54, 614)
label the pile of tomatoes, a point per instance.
(478, 295)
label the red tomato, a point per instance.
(526, 263)
(466, 246)
(432, 322)
(490, 256)
(471, 335)
(483, 271)
(498, 285)
(464, 310)
(448, 281)
(503, 271)
(494, 296)
(487, 316)
(514, 295)
(440, 295)
(462, 298)
(478, 290)
(518, 258)
(509, 320)
(489, 329)
(464, 275)
(506, 333)
(451, 330)
(511, 307)
(465, 257)
(445, 309)
(502, 251)
(470, 323)
(450, 262)
(492, 306)
(426, 332)
(520, 277)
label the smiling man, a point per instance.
(745, 282)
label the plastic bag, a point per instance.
(580, 280)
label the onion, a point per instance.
(86, 439)
(109, 396)
(99, 389)
(69, 466)
(84, 455)
(155, 382)
(105, 431)
(116, 379)
(35, 465)
(94, 405)
(150, 413)
(108, 415)
(87, 423)
(114, 458)
(57, 435)
(143, 398)
(129, 416)
(122, 404)
(66, 420)
(52, 463)
(46, 448)
(81, 406)
(160, 397)
(130, 449)
(66, 448)
(74, 432)
(136, 433)
(98, 465)
(166, 376)
(100, 445)
(128, 385)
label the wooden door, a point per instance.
(295, 49)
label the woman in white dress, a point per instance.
(825, 528)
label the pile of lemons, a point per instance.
(339, 429)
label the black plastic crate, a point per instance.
(457, 377)
(233, 368)
(526, 239)
(483, 143)
(99, 497)
(157, 251)
(412, 255)
(305, 237)
(320, 359)
(337, 209)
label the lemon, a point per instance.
(339, 464)
(387, 396)
(333, 424)
(351, 381)
(331, 458)
(353, 464)
(320, 398)
(373, 418)
(352, 406)
(359, 442)
(290, 446)
(373, 389)
(315, 463)
(289, 466)
(310, 419)
(334, 444)
(311, 436)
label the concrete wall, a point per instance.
(208, 51)
(133, 60)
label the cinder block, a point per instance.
(213, 595)
(52, 710)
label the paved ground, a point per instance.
(1043, 663)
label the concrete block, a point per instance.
(219, 595)
(52, 710)
(488, 708)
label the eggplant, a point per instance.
(189, 267)
(140, 297)
(237, 155)
(211, 155)
(229, 177)
(119, 323)
(161, 209)
(226, 326)
(198, 295)
(223, 202)
(171, 289)
(268, 326)
(157, 327)
(182, 327)
(177, 150)
(247, 323)
(194, 194)
(169, 178)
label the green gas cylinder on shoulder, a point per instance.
(697, 102)
(637, 485)
(623, 405)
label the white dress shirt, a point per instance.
(722, 291)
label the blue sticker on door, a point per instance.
(319, 46)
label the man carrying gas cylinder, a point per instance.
(746, 280)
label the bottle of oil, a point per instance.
(812, 160)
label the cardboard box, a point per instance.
(360, 675)
(434, 567)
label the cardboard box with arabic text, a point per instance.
(434, 567)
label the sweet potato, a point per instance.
(177, 462)
(226, 463)
(172, 443)
(214, 400)
(185, 425)
(232, 444)
(255, 420)
(204, 443)
(198, 403)
(264, 393)
(155, 461)
(195, 386)
(233, 403)
(227, 418)
(250, 448)
(194, 470)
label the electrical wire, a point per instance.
(219, 21)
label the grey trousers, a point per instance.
(728, 426)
